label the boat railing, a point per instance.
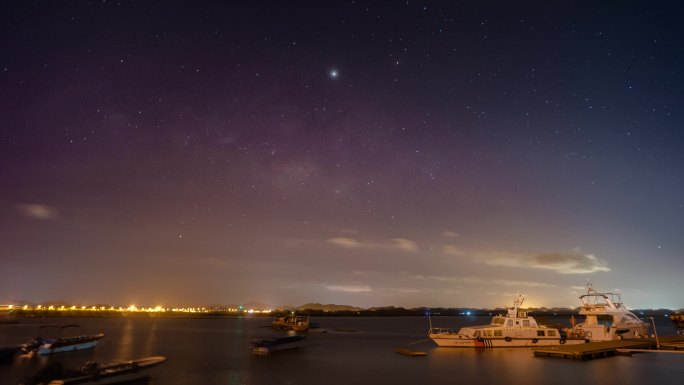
(441, 331)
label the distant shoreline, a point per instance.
(8, 316)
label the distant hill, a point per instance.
(247, 305)
(328, 307)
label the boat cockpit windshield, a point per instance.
(601, 299)
(498, 321)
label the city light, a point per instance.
(50, 308)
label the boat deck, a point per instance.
(609, 348)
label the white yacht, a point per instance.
(514, 329)
(607, 318)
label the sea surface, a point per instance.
(349, 351)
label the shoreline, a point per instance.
(7, 317)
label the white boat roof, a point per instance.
(595, 302)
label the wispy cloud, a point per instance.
(400, 244)
(484, 281)
(404, 244)
(349, 289)
(38, 211)
(450, 234)
(573, 262)
(347, 243)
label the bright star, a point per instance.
(333, 74)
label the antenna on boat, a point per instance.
(655, 332)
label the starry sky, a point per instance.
(405, 153)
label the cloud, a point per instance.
(349, 289)
(347, 243)
(483, 281)
(400, 244)
(38, 211)
(573, 262)
(450, 234)
(569, 263)
(405, 245)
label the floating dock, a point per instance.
(602, 349)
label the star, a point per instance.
(334, 73)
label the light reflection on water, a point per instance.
(216, 351)
(125, 344)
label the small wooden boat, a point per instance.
(94, 374)
(270, 345)
(409, 352)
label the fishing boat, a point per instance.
(270, 345)
(94, 374)
(297, 323)
(62, 344)
(513, 329)
(607, 318)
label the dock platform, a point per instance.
(602, 349)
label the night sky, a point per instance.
(400, 153)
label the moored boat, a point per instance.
(62, 344)
(409, 352)
(607, 318)
(94, 374)
(677, 320)
(270, 345)
(513, 329)
(297, 323)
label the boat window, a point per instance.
(526, 323)
(487, 333)
(605, 320)
(498, 333)
(540, 333)
(477, 333)
(509, 323)
(497, 321)
(551, 333)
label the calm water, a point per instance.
(217, 351)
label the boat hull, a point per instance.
(270, 345)
(118, 379)
(454, 341)
(69, 344)
(115, 373)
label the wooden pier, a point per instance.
(602, 349)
